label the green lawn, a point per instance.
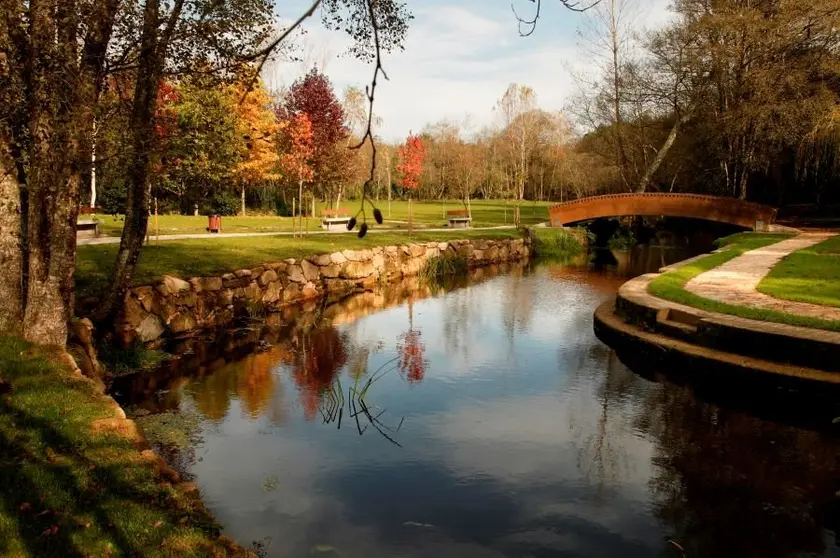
(809, 275)
(485, 213)
(198, 257)
(671, 285)
(68, 491)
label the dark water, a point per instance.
(485, 420)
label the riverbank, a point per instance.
(685, 314)
(76, 477)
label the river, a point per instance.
(484, 419)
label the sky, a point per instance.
(459, 59)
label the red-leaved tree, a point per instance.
(297, 150)
(412, 154)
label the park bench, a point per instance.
(459, 218)
(88, 227)
(334, 219)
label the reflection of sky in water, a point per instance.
(523, 438)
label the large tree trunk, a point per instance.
(142, 124)
(11, 243)
(59, 93)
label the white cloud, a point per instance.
(458, 60)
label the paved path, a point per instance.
(211, 236)
(736, 281)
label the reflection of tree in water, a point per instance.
(251, 380)
(731, 484)
(321, 353)
(411, 350)
(460, 312)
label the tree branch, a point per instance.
(531, 24)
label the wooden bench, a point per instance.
(459, 218)
(334, 219)
(87, 228)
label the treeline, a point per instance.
(730, 98)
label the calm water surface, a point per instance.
(485, 420)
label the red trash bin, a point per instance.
(214, 223)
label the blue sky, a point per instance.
(458, 60)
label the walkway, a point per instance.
(736, 281)
(211, 236)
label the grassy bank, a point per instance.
(189, 258)
(558, 242)
(810, 275)
(431, 214)
(671, 285)
(70, 489)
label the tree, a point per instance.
(518, 107)
(412, 154)
(313, 96)
(297, 149)
(257, 126)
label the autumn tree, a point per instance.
(296, 148)
(313, 96)
(412, 154)
(258, 127)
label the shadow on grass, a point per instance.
(69, 492)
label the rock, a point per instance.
(491, 254)
(242, 272)
(257, 271)
(296, 274)
(322, 260)
(132, 313)
(416, 250)
(292, 292)
(392, 249)
(377, 250)
(226, 297)
(228, 276)
(466, 250)
(378, 262)
(150, 328)
(442, 246)
(338, 258)
(172, 285)
(478, 255)
(211, 283)
(351, 255)
(356, 270)
(253, 291)
(273, 292)
(309, 290)
(331, 271)
(290, 261)
(310, 271)
(164, 309)
(186, 299)
(146, 296)
(267, 277)
(182, 322)
(236, 283)
(363, 255)
(195, 283)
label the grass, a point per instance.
(191, 258)
(430, 214)
(671, 285)
(556, 242)
(68, 491)
(435, 269)
(809, 275)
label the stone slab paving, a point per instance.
(736, 281)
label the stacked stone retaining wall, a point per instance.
(175, 307)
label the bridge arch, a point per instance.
(695, 206)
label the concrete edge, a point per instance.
(620, 335)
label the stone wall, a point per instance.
(175, 307)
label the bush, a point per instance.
(281, 208)
(556, 242)
(622, 239)
(221, 203)
(111, 197)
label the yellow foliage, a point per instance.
(259, 126)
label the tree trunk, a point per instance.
(243, 199)
(142, 124)
(663, 151)
(11, 245)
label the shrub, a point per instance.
(556, 242)
(622, 239)
(221, 203)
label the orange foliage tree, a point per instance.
(297, 149)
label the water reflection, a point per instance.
(500, 426)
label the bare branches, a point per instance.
(530, 25)
(370, 92)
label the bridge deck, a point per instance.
(712, 208)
